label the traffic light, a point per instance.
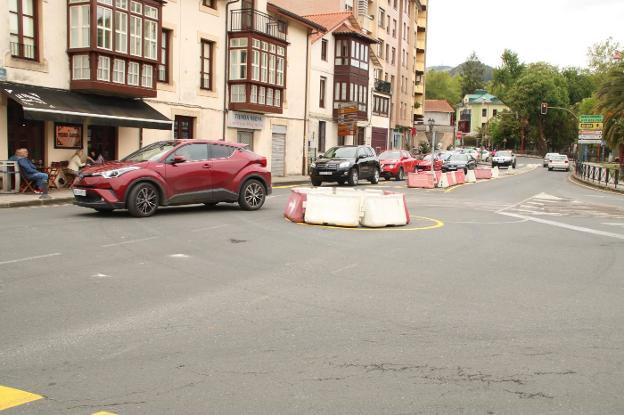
(544, 108)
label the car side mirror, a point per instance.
(178, 159)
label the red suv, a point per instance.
(179, 172)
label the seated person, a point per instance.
(30, 172)
(76, 163)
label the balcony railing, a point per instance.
(249, 20)
(383, 86)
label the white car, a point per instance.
(504, 158)
(485, 155)
(559, 162)
(547, 158)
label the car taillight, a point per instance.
(262, 161)
(566, 162)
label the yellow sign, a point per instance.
(590, 126)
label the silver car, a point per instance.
(504, 158)
(559, 162)
(548, 157)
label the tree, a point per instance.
(601, 56)
(581, 84)
(539, 83)
(441, 85)
(507, 74)
(472, 73)
(611, 104)
(505, 130)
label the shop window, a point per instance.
(206, 64)
(23, 31)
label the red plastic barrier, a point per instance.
(483, 173)
(407, 214)
(460, 177)
(450, 177)
(294, 210)
(421, 180)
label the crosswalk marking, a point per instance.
(10, 397)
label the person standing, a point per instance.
(30, 172)
(76, 163)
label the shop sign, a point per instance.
(245, 120)
(68, 136)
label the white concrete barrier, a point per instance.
(470, 177)
(495, 172)
(443, 182)
(384, 210)
(333, 209)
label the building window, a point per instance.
(121, 4)
(322, 87)
(255, 65)
(380, 50)
(147, 76)
(206, 65)
(494, 113)
(23, 28)
(163, 68)
(133, 73)
(280, 72)
(272, 69)
(136, 7)
(103, 69)
(238, 93)
(261, 95)
(136, 34)
(80, 67)
(382, 17)
(104, 28)
(324, 50)
(121, 32)
(393, 56)
(253, 97)
(183, 127)
(238, 59)
(119, 71)
(209, 3)
(387, 53)
(321, 136)
(394, 28)
(278, 98)
(380, 105)
(79, 26)
(151, 12)
(484, 112)
(151, 39)
(269, 96)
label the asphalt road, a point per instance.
(512, 304)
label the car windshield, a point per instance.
(340, 153)
(386, 155)
(459, 157)
(151, 152)
(503, 154)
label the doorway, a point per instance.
(245, 137)
(103, 140)
(361, 134)
(25, 134)
(183, 127)
(278, 151)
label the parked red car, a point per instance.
(424, 163)
(396, 163)
(177, 172)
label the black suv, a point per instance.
(346, 164)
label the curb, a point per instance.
(594, 185)
(290, 183)
(36, 202)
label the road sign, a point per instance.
(591, 126)
(591, 118)
(590, 137)
(590, 132)
(597, 142)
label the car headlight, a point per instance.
(109, 174)
(312, 165)
(344, 165)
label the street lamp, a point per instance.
(431, 122)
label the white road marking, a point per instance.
(100, 275)
(546, 196)
(133, 241)
(350, 266)
(30, 258)
(564, 225)
(179, 256)
(536, 203)
(210, 228)
(613, 224)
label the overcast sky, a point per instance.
(555, 31)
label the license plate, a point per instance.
(80, 192)
(325, 173)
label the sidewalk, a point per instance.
(59, 196)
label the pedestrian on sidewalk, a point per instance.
(30, 172)
(76, 163)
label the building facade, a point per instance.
(476, 110)
(114, 75)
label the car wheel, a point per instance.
(143, 200)
(550, 169)
(316, 182)
(400, 174)
(354, 177)
(386, 178)
(375, 178)
(252, 195)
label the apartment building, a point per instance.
(400, 28)
(115, 75)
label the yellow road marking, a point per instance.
(288, 186)
(10, 397)
(436, 224)
(103, 413)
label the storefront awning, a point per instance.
(61, 105)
